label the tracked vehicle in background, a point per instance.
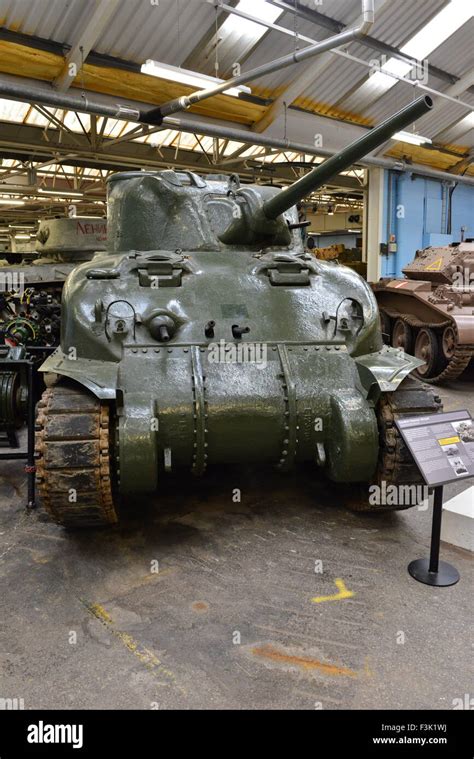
(30, 307)
(30, 296)
(206, 335)
(430, 313)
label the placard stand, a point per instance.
(433, 571)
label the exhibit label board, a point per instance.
(441, 444)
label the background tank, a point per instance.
(30, 291)
(430, 313)
(207, 335)
(30, 307)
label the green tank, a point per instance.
(206, 335)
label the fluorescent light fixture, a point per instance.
(193, 79)
(412, 138)
(8, 202)
(60, 193)
(22, 237)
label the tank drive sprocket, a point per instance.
(73, 448)
(396, 465)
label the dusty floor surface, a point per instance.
(229, 619)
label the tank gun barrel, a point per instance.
(288, 197)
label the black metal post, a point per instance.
(434, 571)
(30, 467)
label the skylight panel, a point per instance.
(419, 48)
(249, 29)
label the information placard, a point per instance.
(441, 444)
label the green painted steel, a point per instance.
(219, 339)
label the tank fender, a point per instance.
(104, 384)
(384, 370)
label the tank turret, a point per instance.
(150, 210)
(442, 265)
(71, 239)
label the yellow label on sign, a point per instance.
(435, 266)
(449, 440)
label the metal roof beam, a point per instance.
(461, 166)
(20, 140)
(94, 27)
(15, 88)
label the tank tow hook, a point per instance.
(239, 331)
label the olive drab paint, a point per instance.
(193, 263)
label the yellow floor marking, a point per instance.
(98, 611)
(343, 593)
(147, 657)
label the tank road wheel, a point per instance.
(402, 336)
(386, 326)
(448, 343)
(74, 457)
(396, 465)
(427, 350)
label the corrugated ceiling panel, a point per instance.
(340, 10)
(165, 32)
(238, 47)
(456, 55)
(396, 22)
(340, 76)
(443, 114)
(171, 30)
(462, 132)
(51, 19)
(276, 44)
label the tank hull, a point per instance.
(197, 401)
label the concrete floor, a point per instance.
(229, 620)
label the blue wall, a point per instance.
(424, 203)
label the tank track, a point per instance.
(396, 465)
(73, 457)
(462, 354)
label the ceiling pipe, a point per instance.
(176, 105)
(36, 93)
(344, 54)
